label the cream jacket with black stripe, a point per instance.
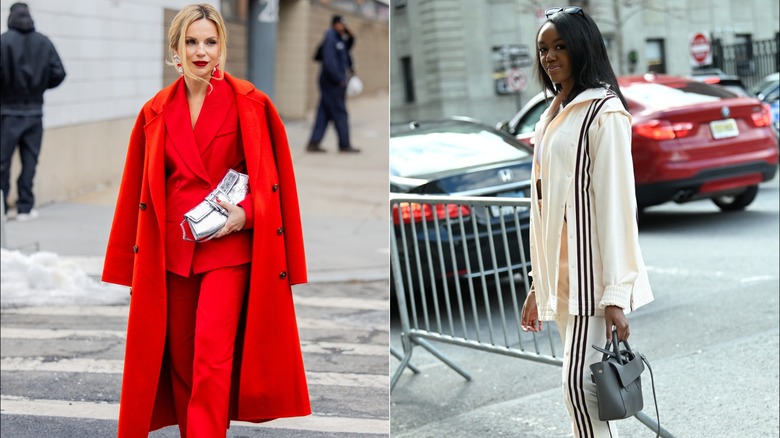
(587, 177)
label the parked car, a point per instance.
(690, 140)
(457, 157)
(768, 90)
(716, 76)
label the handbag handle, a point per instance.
(615, 351)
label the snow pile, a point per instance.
(46, 279)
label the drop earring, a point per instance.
(213, 72)
(178, 64)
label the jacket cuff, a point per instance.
(249, 209)
(616, 296)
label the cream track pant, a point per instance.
(579, 334)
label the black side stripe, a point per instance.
(585, 274)
(579, 204)
(573, 355)
(576, 376)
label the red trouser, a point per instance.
(203, 314)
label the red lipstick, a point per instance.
(201, 63)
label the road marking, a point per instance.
(27, 333)
(757, 278)
(343, 302)
(110, 411)
(114, 311)
(114, 366)
(682, 272)
(311, 347)
(331, 302)
(122, 311)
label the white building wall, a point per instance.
(112, 51)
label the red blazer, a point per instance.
(269, 378)
(196, 160)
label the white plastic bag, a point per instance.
(354, 86)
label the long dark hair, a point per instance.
(590, 65)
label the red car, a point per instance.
(691, 140)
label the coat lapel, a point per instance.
(251, 127)
(178, 124)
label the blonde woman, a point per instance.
(211, 335)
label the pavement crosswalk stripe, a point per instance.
(116, 311)
(122, 310)
(309, 347)
(114, 366)
(34, 333)
(343, 302)
(110, 411)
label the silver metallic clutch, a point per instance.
(208, 217)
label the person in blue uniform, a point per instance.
(336, 70)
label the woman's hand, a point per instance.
(530, 315)
(614, 316)
(235, 221)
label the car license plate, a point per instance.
(503, 210)
(724, 128)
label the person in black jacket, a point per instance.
(336, 70)
(29, 65)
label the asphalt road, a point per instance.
(711, 336)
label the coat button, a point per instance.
(282, 275)
(280, 231)
(135, 248)
(204, 185)
(142, 206)
(275, 187)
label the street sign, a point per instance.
(700, 50)
(515, 80)
(507, 61)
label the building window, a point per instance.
(655, 56)
(743, 52)
(408, 78)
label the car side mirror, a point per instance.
(503, 126)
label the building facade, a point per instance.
(466, 58)
(114, 54)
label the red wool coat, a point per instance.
(269, 379)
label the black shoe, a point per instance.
(349, 150)
(314, 147)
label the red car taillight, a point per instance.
(424, 212)
(663, 130)
(763, 117)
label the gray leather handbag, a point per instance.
(208, 217)
(618, 381)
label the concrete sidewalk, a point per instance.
(343, 201)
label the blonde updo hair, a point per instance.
(179, 25)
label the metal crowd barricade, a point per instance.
(460, 273)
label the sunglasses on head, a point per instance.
(573, 10)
